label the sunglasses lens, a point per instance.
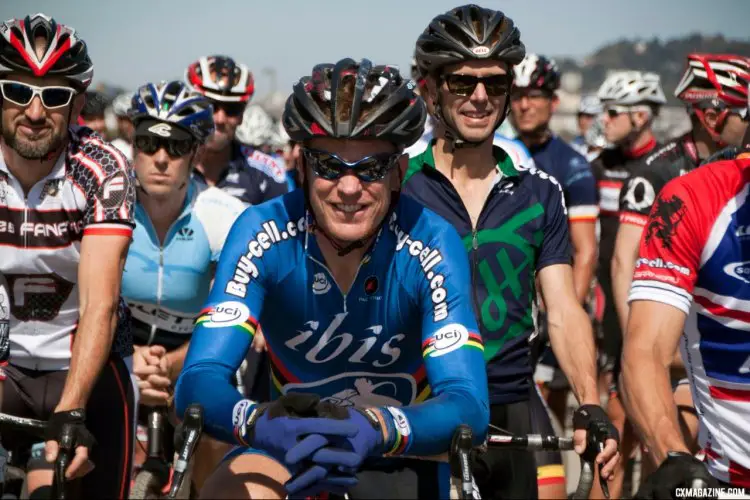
(462, 85)
(496, 85)
(330, 167)
(231, 108)
(56, 97)
(146, 144)
(177, 148)
(17, 93)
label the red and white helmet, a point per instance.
(62, 54)
(722, 77)
(220, 78)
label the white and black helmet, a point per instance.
(629, 88)
(256, 128)
(590, 105)
(537, 72)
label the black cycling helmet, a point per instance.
(468, 33)
(537, 72)
(383, 105)
(64, 52)
(96, 104)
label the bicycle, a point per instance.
(37, 428)
(462, 451)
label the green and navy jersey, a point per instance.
(523, 227)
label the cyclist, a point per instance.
(589, 109)
(532, 102)
(691, 282)
(245, 173)
(631, 101)
(514, 233)
(180, 230)
(92, 113)
(363, 298)
(66, 197)
(124, 141)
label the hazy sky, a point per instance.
(135, 41)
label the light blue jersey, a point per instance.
(166, 284)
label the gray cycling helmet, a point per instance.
(466, 33)
(383, 105)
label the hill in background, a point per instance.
(665, 58)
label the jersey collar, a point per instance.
(504, 165)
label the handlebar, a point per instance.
(38, 428)
(191, 430)
(461, 448)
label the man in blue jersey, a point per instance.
(533, 101)
(363, 298)
(514, 225)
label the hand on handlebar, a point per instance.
(73, 421)
(680, 469)
(596, 439)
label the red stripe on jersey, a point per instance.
(727, 394)
(611, 184)
(739, 475)
(108, 231)
(719, 310)
(90, 164)
(633, 218)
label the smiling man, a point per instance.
(513, 223)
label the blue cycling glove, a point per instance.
(288, 429)
(334, 467)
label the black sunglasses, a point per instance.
(22, 94)
(464, 85)
(331, 167)
(175, 148)
(232, 109)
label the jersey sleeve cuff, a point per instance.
(551, 261)
(633, 218)
(656, 291)
(398, 430)
(109, 229)
(583, 213)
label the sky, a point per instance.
(135, 41)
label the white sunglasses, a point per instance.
(22, 94)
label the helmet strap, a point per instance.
(712, 132)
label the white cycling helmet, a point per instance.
(122, 105)
(590, 105)
(257, 128)
(279, 138)
(594, 136)
(628, 88)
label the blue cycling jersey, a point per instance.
(166, 283)
(573, 172)
(403, 338)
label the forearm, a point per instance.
(647, 395)
(91, 348)
(572, 341)
(176, 359)
(584, 263)
(622, 275)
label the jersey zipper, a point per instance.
(474, 254)
(343, 295)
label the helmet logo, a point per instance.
(481, 50)
(161, 129)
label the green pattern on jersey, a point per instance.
(507, 235)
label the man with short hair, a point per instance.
(66, 203)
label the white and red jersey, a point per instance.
(90, 190)
(695, 256)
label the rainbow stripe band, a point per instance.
(474, 342)
(399, 445)
(249, 326)
(401, 429)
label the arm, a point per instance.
(99, 277)
(570, 332)
(175, 360)
(583, 238)
(452, 352)
(623, 263)
(653, 331)
(218, 346)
